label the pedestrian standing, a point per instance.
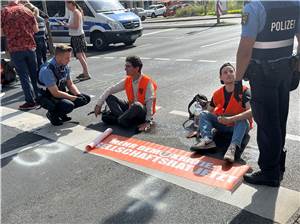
(76, 32)
(265, 48)
(19, 25)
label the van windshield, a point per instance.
(106, 5)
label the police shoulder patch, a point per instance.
(245, 17)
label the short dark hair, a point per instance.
(135, 61)
(223, 66)
(62, 48)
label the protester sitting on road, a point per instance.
(226, 113)
(54, 77)
(18, 25)
(141, 94)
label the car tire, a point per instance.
(153, 15)
(143, 18)
(129, 43)
(99, 41)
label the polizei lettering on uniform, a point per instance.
(283, 25)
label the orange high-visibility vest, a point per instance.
(142, 88)
(234, 107)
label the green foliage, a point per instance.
(197, 9)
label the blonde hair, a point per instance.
(62, 48)
(31, 7)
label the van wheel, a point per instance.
(129, 43)
(143, 18)
(99, 42)
(153, 15)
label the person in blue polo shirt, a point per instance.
(264, 56)
(54, 79)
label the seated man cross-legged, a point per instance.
(54, 78)
(227, 113)
(139, 107)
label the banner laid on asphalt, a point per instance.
(174, 161)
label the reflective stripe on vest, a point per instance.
(273, 44)
(234, 107)
(142, 89)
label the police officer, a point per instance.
(264, 55)
(54, 78)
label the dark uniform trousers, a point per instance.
(123, 114)
(270, 86)
(62, 107)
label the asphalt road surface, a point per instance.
(51, 181)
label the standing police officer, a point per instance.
(266, 47)
(54, 79)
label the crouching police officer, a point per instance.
(54, 78)
(266, 47)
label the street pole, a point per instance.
(218, 10)
(50, 40)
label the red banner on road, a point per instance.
(174, 161)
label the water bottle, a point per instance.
(198, 110)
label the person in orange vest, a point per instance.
(139, 107)
(226, 114)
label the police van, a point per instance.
(105, 22)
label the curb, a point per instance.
(188, 25)
(183, 19)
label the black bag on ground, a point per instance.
(8, 72)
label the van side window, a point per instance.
(85, 8)
(56, 8)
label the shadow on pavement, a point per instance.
(263, 199)
(16, 97)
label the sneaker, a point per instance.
(80, 76)
(205, 143)
(64, 118)
(27, 106)
(259, 178)
(54, 119)
(230, 154)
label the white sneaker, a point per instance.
(230, 154)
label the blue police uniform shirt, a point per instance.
(256, 19)
(47, 77)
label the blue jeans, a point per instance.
(25, 64)
(208, 121)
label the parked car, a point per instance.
(156, 10)
(105, 22)
(171, 11)
(140, 12)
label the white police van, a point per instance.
(105, 22)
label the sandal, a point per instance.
(84, 78)
(80, 76)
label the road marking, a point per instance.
(293, 137)
(23, 149)
(145, 58)
(2, 94)
(183, 59)
(219, 42)
(94, 57)
(209, 61)
(277, 204)
(161, 31)
(180, 113)
(109, 57)
(162, 59)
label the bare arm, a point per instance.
(72, 87)
(55, 92)
(75, 24)
(298, 49)
(238, 117)
(243, 56)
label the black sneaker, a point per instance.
(54, 119)
(64, 118)
(259, 178)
